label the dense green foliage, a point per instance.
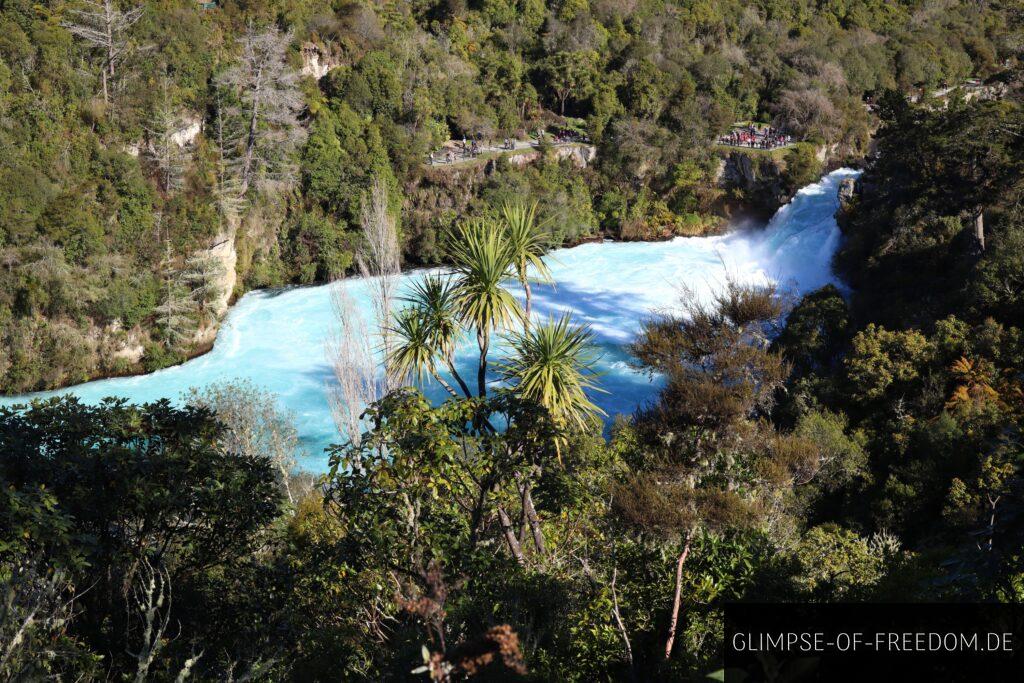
(861, 445)
(123, 161)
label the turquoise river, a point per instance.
(277, 339)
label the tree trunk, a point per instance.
(531, 515)
(675, 603)
(979, 228)
(622, 626)
(481, 374)
(510, 536)
(458, 378)
(444, 385)
(529, 301)
(108, 68)
(251, 136)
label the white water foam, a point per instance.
(277, 339)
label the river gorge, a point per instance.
(277, 338)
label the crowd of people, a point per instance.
(567, 135)
(754, 137)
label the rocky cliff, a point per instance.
(753, 183)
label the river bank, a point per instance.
(276, 338)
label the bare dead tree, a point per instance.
(350, 351)
(265, 113)
(351, 348)
(620, 624)
(35, 610)
(677, 598)
(807, 112)
(251, 671)
(149, 609)
(380, 262)
(105, 27)
(167, 149)
(186, 668)
(149, 605)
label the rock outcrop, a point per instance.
(188, 132)
(847, 191)
(316, 62)
(753, 184)
(581, 156)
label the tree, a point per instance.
(37, 609)
(881, 359)
(707, 465)
(203, 277)
(254, 425)
(550, 365)
(166, 151)
(571, 75)
(177, 309)
(802, 167)
(149, 607)
(426, 333)
(380, 260)
(527, 245)
(38, 561)
(483, 260)
(264, 89)
(984, 142)
(351, 349)
(139, 483)
(836, 564)
(808, 113)
(105, 27)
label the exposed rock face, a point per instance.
(580, 155)
(223, 250)
(847, 191)
(523, 158)
(316, 62)
(757, 181)
(131, 351)
(187, 134)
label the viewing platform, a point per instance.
(752, 136)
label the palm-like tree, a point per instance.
(435, 298)
(426, 331)
(527, 246)
(412, 355)
(483, 262)
(551, 364)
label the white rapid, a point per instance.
(277, 338)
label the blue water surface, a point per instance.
(277, 339)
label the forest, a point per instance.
(158, 159)
(857, 444)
